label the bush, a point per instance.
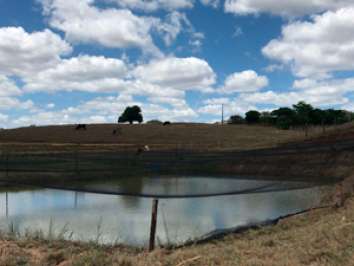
(154, 121)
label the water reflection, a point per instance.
(127, 219)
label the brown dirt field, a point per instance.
(151, 134)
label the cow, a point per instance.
(166, 123)
(141, 150)
(118, 130)
(80, 126)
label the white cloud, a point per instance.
(323, 93)
(81, 73)
(8, 87)
(84, 23)
(231, 107)
(173, 24)
(178, 73)
(287, 8)
(153, 5)
(149, 110)
(243, 81)
(238, 32)
(175, 102)
(3, 118)
(213, 3)
(272, 68)
(318, 47)
(22, 53)
(119, 28)
(8, 103)
(218, 101)
(50, 105)
(195, 43)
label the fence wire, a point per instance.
(109, 219)
(105, 196)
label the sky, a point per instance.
(85, 61)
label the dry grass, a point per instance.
(158, 136)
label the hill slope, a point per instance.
(151, 134)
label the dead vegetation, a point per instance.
(183, 135)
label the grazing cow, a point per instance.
(141, 150)
(81, 126)
(166, 123)
(118, 130)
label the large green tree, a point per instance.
(252, 117)
(235, 119)
(131, 114)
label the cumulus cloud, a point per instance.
(178, 73)
(175, 102)
(86, 73)
(50, 105)
(3, 118)
(272, 68)
(213, 3)
(288, 8)
(83, 22)
(318, 93)
(153, 5)
(22, 53)
(8, 87)
(231, 106)
(150, 110)
(173, 24)
(317, 47)
(238, 32)
(8, 103)
(243, 81)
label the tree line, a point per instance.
(301, 114)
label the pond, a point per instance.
(107, 218)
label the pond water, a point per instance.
(126, 219)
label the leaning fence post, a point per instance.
(153, 224)
(339, 195)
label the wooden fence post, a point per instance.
(338, 195)
(7, 202)
(310, 213)
(153, 224)
(7, 163)
(76, 162)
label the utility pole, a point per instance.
(222, 114)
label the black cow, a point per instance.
(140, 150)
(166, 123)
(80, 126)
(118, 130)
